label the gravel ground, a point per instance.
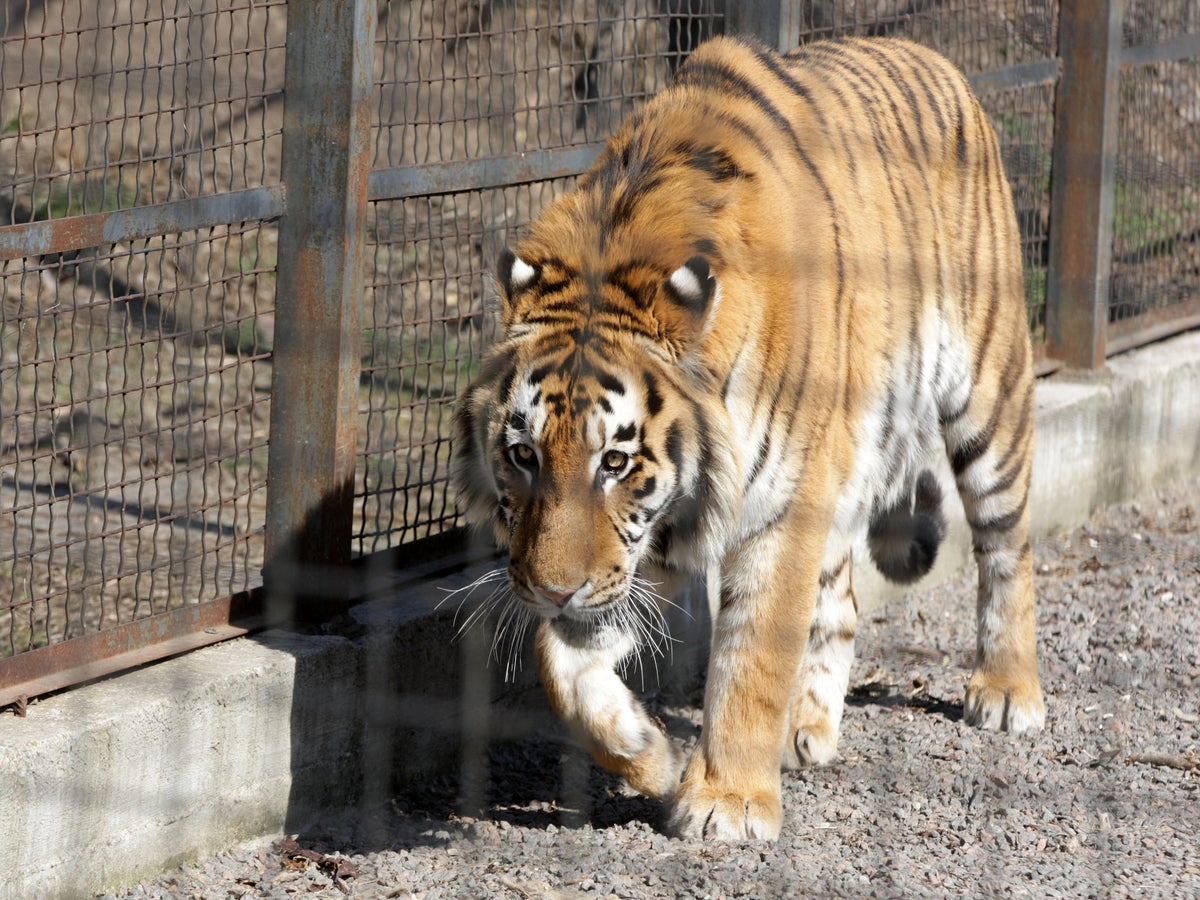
(1105, 802)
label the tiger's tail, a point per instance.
(904, 538)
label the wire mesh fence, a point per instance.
(1156, 219)
(137, 368)
(135, 373)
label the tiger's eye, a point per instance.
(522, 455)
(614, 462)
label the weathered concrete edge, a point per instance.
(120, 780)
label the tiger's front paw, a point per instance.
(655, 771)
(702, 810)
(998, 704)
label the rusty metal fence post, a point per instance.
(326, 161)
(1082, 182)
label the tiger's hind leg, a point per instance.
(992, 466)
(819, 692)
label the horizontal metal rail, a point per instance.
(1185, 46)
(480, 174)
(89, 656)
(1031, 74)
(41, 238)
(1152, 325)
(46, 237)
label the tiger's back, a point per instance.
(735, 344)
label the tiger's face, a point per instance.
(579, 448)
(577, 462)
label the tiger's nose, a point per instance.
(554, 595)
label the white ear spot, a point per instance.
(687, 285)
(522, 274)
(692, 285)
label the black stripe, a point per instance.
(712, 162)
(834, 86)
(830, 576)
(875, 85)
(935, 75)
(969, 451)
(621, 324)
(506, 384)
(1000, 524)
(889, 414)
(612, 384)
(1019, 436)
(1003, 484)
(647, 488)
(538, 375)
(974, 447)
(760, 457)
(654, 400)
(949, 418)
(622, 536)
(548, 289)
(750, 133)
(555, 320)
(886, 60)
(797, 399)
(632, 294)
(674, 446)
(837, 68)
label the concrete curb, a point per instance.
(123, 779)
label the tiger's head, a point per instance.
(590, 444)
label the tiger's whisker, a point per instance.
(466, 591)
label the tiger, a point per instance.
(787, 283)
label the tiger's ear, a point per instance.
(513, 275)
(691, 290)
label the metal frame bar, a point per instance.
(1082, 182)
(1152, 325)
(100, 653)
(1185, 46)
(77, 232)
(473, 175)
(1010, 78)
(316, 364)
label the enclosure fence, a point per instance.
(243, 237)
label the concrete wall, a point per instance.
(119, 780)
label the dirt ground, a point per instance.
(1102, 803)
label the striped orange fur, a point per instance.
(786, 281)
